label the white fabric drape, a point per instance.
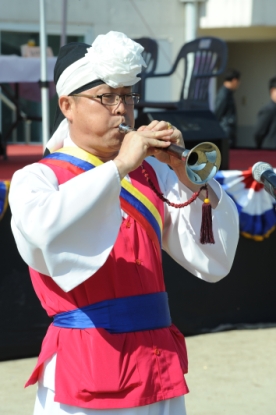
(45, 405)
(46, 219)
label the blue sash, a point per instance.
(120, 315)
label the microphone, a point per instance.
(174, 150)
(263, 173)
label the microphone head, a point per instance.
(259, 168)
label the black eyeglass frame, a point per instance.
(121, 96)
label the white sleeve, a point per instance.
(66, 231)
(210, 262)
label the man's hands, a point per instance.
(151, 140)
(146, 141)
(175, 138)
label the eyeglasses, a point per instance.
(113, 99)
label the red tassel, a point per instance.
(206, 231)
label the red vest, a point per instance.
(96, 369)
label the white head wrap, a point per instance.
(114, 58)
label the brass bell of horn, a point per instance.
(202, 162)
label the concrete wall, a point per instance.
(160, 19)
(237, 13)
(257, 63)
(249, 27)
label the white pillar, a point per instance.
(190, 26)
(191, 21)
(64, 23)
(43, 76)
(191, 18)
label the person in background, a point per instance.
(265, 129)
(225, 106)
(87, 221)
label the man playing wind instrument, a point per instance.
(89, 225)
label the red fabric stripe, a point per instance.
(139, 181)
(249, 182)
(64, 164)
(129, 209)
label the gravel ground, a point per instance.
(230, 373)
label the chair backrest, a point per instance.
(204, 58)
(150, 55)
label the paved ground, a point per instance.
(231, 373)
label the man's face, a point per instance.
(94, 126)
(273, 94)
(235, 83)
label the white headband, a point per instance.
(113, 58)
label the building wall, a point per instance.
(158, 19)
(257, 63)
(237, 13)
(249, 27)
(135, 17)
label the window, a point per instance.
(10, 44)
